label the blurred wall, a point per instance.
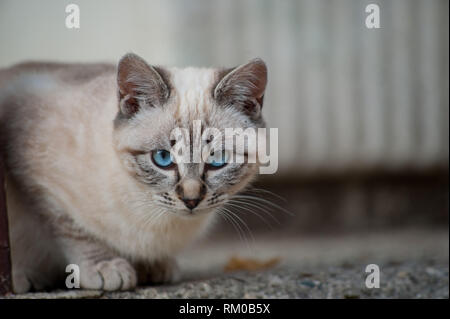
(342, 96)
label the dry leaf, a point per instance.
(236, 263)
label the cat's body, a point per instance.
(81, 187)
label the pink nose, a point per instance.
(191, 203)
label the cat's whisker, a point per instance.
(251, 211)
(220, 204)
(158, 215)
(265, 202)
(232, 220)
(146, 219)
(261, 190)
(255, 209)
(227, 218)
(244, 224)
(256, 205)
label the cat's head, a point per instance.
(155, 101)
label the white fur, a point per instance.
(66, 135)
(73, 193)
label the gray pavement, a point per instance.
(413, 264)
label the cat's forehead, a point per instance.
(192, 80)
(192, 90)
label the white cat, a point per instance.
(89, 178)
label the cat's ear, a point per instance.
(139, 85)
(243, 87)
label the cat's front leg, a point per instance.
(112, 274)
(100, 268)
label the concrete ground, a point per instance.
(413, 264)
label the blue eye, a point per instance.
(162, 158)
(217, 160)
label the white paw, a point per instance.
(109, 275)
(21, 284)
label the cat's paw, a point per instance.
(21, 283)
(109, 275)
(159, 272)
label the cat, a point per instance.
(89, 179)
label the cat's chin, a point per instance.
(185, 213)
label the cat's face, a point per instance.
(153, 102)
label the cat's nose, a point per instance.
(191, 203)
(191, 192)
